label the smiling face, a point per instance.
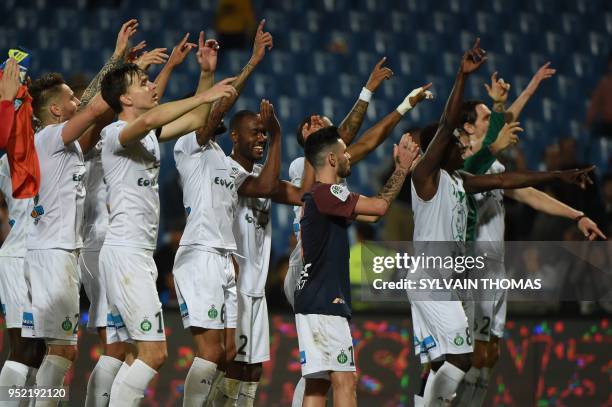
(250, 138)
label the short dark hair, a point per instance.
(298, 134)
(43, 89)
(116, 82)
(320, 141)
(238, 117)
(427, 134)
(468, 112)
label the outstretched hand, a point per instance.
(207, 53)
(220, 90)
(316, 123)
(577, 176)
(544, 72)
(589, 229)
(156, 56)
(180, 51)
(473, 58)
(379, 74)
(498, 90)
(405, 154)
(507, 137)
(419, 94)
(9, 83)
(263, 41)
(268, 117)
(128, 29)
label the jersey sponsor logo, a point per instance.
(28, 320)
(303, 277)
(146, 325)
(184, 310)
(212, 312)
(339, 191)
(234, 173)
(143, 182)
(342, 358)
(67, 324)
(224, 183)
(11, 222)
(37, 211)
(427, 344)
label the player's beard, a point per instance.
(344, 170)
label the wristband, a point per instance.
(406, 106)
(365, 95)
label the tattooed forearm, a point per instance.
(242, 77)
(393, 185)
(352, 122)
(94, 85)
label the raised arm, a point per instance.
(178, 55)
(352, 122)
(163, 114)
(195, 119)
(289, 194)
(263, 41)
(404, 154)
(517, 106)
(9, 86)
(426, 172)
(522, 179)
(541, 201)
(266, 183)
(377, 134)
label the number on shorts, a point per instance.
(485, 329)
(76, 326)
(223, 313)
(244, 340)
(468, 337)
(352, 355)
(160, 323)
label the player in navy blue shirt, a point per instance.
(322, 295)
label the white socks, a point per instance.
(51, 373)
(30, 382)
(119, 379)
(101, 381)
(482, 385)
(418, 401)
(131, 390)
(440, 389)
(465, 392)
(298, 393)
(199, 381)
(227, 395)
(246, 395)
(13, 374)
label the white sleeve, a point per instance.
(188, 144)
(51, 139)
(239, 174)
(296, 171)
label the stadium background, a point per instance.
(323, 53)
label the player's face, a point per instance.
(456, 151)
(142, 94)
(343, 167)
(251, 138)
(67, 102)
(478, 130)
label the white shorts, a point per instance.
(253, 330)
(135, 311)
(440, 328)
(205, 283)
(489, 316)
(93, 282)
(293, 274)
(52, 307)
(13, 290)
(325, 345)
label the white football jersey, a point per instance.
(131, 174)
(253, 233)
(57, 216)
(491, 213)
(210, 184)
(444, 217)
(96, 211)
(14, 244)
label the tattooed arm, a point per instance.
(404, 155)
(352, 122)
(263, 40)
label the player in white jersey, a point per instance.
(54, 235)
(25, 354)
(130, 157)
(438, 188)
(490, 314)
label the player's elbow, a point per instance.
(380, 208)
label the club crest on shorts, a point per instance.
(212, 312)
(67, 325)
(145, 325)
(342, 358)
(458, 340)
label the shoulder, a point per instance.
(296, 168)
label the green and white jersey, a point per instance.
(491, 213)
(443, 218)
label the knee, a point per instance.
(155, 357)
(116, 350)
(345, 382)
(493, 353)
(69, 352)
(480, 355)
